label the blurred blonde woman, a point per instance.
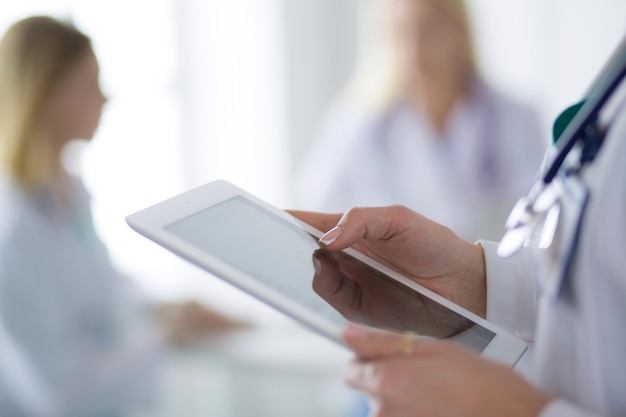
(417, 125)
(74, 320)
(76, 338)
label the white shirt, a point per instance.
(467, 178)
(75, 323)
(579, 336)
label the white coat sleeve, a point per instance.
(560, 408)
(511, 291)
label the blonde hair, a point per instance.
(35, 53)
(374, 83)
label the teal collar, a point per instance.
(564, 119)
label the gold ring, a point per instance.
(408, 343)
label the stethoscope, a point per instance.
(535, 216)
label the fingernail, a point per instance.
(331, 235)
(351, 374)
(356, 332)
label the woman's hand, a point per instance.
(366, 296)
(410, 377)
(425, 251)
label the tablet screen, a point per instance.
(279, 253)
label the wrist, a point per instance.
(535, 404)
(474, 278)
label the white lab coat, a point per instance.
(467, 179)
(579, 336)
(76, 325)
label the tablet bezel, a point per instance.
(152, 222)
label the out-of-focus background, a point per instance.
(207, 89)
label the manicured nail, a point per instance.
(331, 235)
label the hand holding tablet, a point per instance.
(365, 295)
(276, 258)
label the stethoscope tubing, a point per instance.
(599, 94)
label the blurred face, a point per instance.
(76, 102)
(430, 43)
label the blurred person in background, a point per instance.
(76, 337)
(418, 126)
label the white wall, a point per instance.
(547, 52)
(231, 74)
(320, 44)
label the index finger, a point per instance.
(368, 223)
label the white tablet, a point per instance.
(269, 254)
